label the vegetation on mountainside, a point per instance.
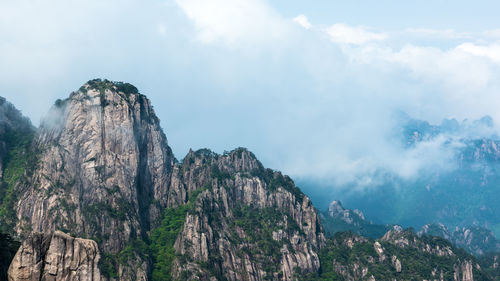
(103, 84)
(159, 248)
(340, 258)
(17, 161)
(490, 262)
(163, 240)
(252, 229)
(333, 225)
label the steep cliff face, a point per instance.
(104, 171)
(248, 223)
(55, 256)
(103, 159)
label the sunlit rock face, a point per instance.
(103, 159)
(248, 223)
(55, 257)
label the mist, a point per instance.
(316, 100)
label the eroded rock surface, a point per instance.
(255, 220)
(103, 160)
(56, 257)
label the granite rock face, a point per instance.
(239, 201)
(105, 172)
(103, 159)
(55, 257)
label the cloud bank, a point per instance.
(313, 100)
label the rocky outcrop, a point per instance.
(105, 171)
(463, 272)
(56, 257)
(475, 239)
(103, 160)
(336, 210)
(408, 239)
(399, 255)
(338, 219)
(248, 223)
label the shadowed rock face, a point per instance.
(56, 256)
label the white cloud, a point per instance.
(312, 107)
(494, 33)
(489, 51)
(341, 33)
(303, 21)
(234, 22)
(440, 33)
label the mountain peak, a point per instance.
(105, 84)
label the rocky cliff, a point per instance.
(55, 256)
(248, 223)
(102, 160)
(104, 171)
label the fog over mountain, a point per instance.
(288, 123)
(311, 95)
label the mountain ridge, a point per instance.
(102, 170)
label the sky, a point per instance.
(311, 87)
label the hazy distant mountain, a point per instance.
(464, 194)
(339, 219)
(476, 240)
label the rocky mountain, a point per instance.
(463, 193)
(491, 263)
(339, 219)
(102, 169)
(96, 194)
(398, 255)
(476, 240)
(56, 256)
